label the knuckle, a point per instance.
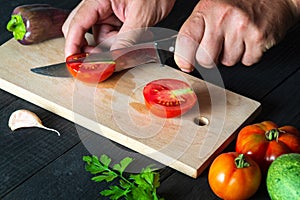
(205, 61)
(206, 58)
(242, 24)
(257, 36)
(188, 27)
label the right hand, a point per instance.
(229, 31)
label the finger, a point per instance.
(75, 29)
(134, 28)
(233, 48)
(127, 38)
(111, 20)
(84, 17)
(210, 48)
(104, 34)
(65, 27)
(106, 30)
(188, 41)
(129, 34)
(254, 47)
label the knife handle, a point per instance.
(165, 49)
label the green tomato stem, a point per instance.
(17, 27)
(272, 134)
(241, 162)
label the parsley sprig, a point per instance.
(140, 186)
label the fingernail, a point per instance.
(186, 70)
(183, 65)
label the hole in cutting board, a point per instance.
(201, 121)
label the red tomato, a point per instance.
(234, 176)
(89, 72)
(265, 141)
(169, 97)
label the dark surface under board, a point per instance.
(36, 164)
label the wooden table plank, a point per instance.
(26, 151)
(7, 98)
(282, 105)
(66, 178)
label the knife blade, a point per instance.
(159, 51)
(55, 70)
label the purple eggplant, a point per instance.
(35, 23)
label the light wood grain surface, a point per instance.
(116, 110)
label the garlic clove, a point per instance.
(25, 118)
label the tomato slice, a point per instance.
(89, 72)
(169, 98)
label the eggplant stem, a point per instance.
(17, 27)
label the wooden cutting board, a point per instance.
(115, 108)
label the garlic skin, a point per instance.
(25, 118)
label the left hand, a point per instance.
(109, 18)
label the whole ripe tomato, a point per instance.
(265, 141)
(89, 72)
(234, 176)
(169, 97)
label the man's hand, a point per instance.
(111, 18)
(229, 31)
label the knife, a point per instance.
(159, 51)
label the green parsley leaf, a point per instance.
(114, 192)
(123, 164)
(93, 165)
(87, 159)
(125, 184)
(140, 186)
(105, 160)
(140, 181)
(107, 176)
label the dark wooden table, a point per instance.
(35, 164)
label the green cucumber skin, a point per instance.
(42, 22)
(283, 178)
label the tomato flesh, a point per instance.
(89, 72)
(169, 98)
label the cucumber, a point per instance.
(283, 178)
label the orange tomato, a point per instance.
(234, 176)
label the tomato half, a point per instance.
(234, 176)
(265, 141)
(89, 72)
(169, 97)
